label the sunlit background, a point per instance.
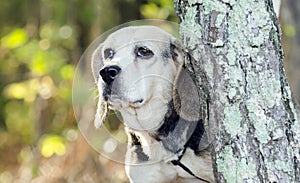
(41, 42)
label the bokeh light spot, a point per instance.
(65, 32)
(110, 145)
(16, 38)
(52, 144)
(289, 30)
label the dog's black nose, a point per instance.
(110, 73)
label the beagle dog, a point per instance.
(139, 72)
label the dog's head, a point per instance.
(134, 69)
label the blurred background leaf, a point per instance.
(41, 42)
(14, 39)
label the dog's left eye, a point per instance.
(108, 53)
(144, 52)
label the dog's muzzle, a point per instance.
(109, 74)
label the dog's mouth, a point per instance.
(116, 102)
(137, 103)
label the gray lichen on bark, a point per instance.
(233, 52)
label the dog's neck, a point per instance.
(143, 137)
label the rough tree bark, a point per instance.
(233, 51)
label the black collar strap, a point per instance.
(178, 163)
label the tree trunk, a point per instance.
(234, 54)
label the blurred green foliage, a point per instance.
(40, 43)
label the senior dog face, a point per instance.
(135, 69)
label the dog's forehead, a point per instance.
(134, 34)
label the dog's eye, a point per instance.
(144, 52)
(108, 53)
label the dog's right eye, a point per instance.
(108, 53)
(144, 52)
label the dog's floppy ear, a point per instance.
(101, 113)
(102, 106)
(185, 95)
